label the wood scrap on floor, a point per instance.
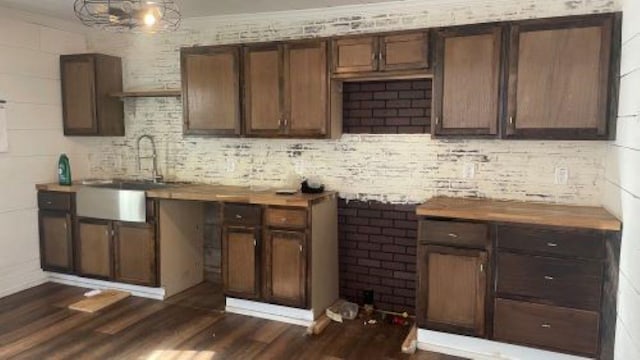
(410, 344)
(99, 301)
(318, 326)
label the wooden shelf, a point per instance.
(148, 93)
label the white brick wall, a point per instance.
(30, 83)
(622, 185)
(398, 168)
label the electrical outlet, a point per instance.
(562, 175)
(468, 170)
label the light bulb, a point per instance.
(149, 19)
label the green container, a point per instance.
(64, 170)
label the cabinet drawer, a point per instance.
(454, 233)
(241, 214)
(572, 283)
(555, 241)
(48, 200)
(546, 326)
(279, 217)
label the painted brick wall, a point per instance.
(397, 168)
(387, 107)
(378, 252)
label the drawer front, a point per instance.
(454, 233)
(241, 214)
(554, 241)
(551, 327)
(571, 283)
(279, 217)
(49, 200)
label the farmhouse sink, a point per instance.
(120, 200)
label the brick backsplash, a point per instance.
(378, 252)
(387, 107)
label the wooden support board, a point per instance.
(98, 302)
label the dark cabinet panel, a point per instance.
(94, 248)
(135, 253)
(404, 51)
(459, 305)
(211, 90)
(467, 86)
(240, 266)
(263, 101)
(56, 247)
(355, 54)
(285, 267)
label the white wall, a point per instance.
(30, 83)
(397, 168)
(622, 185)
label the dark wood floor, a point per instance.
(36, 324)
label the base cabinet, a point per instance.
(240, 247)
(285, 267)
(94, 248)
(135, 253)
(56, 247)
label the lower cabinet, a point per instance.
(135, 253)
(241, 251)
(453, 305)
(94, 248)
(285, 267)
(56, 246)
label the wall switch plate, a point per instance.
(468, 170)
(562, 175)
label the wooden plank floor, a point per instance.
(36, 324)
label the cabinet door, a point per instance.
(211, 90)
(78, 94)
(262, 90)
(135, 253)
(56, 251)
(94, 252)
(467, 81)
(356, 54)
(407, 51)
(459, 305)
(306, 82)
(285, 268)
(240, 249)
(559, 79)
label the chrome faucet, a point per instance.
(154, 157)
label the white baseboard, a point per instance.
(482, 349)
(135, 290)
(20, 277)
(280, 313)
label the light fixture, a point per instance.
(129, 15)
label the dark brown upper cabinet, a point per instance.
(286, 90)
(366, 56)
(467, 81)
(562, 78)
(87, 81)
(211, 90)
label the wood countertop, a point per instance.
(222, 193)
(520, 212)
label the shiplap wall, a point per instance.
(622, 185)
(393, 168)
(30, 83)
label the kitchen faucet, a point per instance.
(154, 156)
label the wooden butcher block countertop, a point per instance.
(520, 212)
(205, 192)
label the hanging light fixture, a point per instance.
(129, 15)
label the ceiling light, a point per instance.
(129, 15)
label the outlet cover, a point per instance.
(562, 175)
(468, 170)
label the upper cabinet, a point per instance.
(286, 90)
(467, 81)
(561, 78)
(211, 90)
(87, 81)
(367, 56)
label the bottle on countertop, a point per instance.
(64, 170)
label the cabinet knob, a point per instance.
(546, 326)
(481, 267)
(65, 225)
(255, 243)
(300, 248)
(49, 203)
(550, 244)
(452, 235)
(547, 277)
(286, 121)
(437, 120)
(373, 56)
(238, 216)
(511, 120)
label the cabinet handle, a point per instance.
(437, 120)
(511, 120)
(452, 235)
(286, 121)
(255, 243)
(65, 226)
(49, 203)
(300, 248)
(238, 216)
(113, 232)
(380, 56)
(280, 122)
(284, 219)
(550, 244)
(481, 268)
(546, 326)
(547, 277)
(373, 56)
